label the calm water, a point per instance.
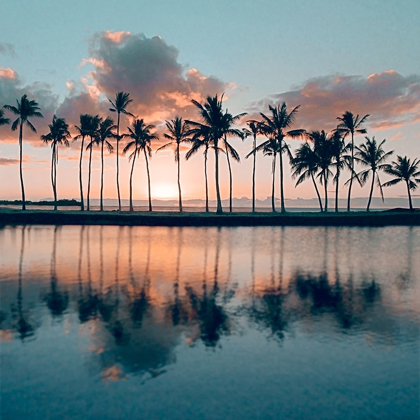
(152, 322)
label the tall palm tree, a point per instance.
(59, 134)
(141, 138)
(218, 125)
(372, 156)
(404, 170)
(25, 109)
(119, 105)
(351, 124)
(105, 132)
(341, 159)
(305, 165)
(178, 132)
(83, 130)
(254, 131)
(274, 128)
(93, 134)
(201, 139)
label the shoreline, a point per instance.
(395, 217)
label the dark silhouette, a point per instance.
(94, 140)
(404, 170)
(141, 139)
(351, 124)
(25, 109)
(179, 132)
(119, 105)
(59, 134)
(3, 119)
(254, 131)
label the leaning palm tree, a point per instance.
(305, 165)
(83, 132)
(119, 105)
(141, 138)
(404, 170)
(274, 128)
(105, 132)
(254, 131)
(25, 109)
(59, 134)
(178, 132)
(218, 125)
(351, 124)
(372, 156)
(93, 134)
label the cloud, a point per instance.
(7, 49)
(7, 162)
(7, 73)
(391, 100)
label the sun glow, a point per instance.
(164, 191)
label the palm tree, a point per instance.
(59, 134)
(25, 109)
(341, 159)
(350, 124)
(93, 134)
(372, 156)
(83, 130)
(179, 132)
(141, 136)
(306, 165)
(254, 131)
(119, 105)
(200, 140)
(3, 119)
(218, 125)
(274, 128)
(105, 132)
(403, 170)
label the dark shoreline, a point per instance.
(396, 217)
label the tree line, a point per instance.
(322, 157)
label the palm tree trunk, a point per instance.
(219, 201)
(326, 193)
(273, 201)
(82, 205)
(148, 181)
(352, 172)
(131, 182)
(337, 185)
(253, 174)
(205, 176)
(118, 163)
(52, 174)
(371, 190)
(409, 196)
(230, 181)
(179, 178)
(55, 157)
(90, 171)
(20, 165)
(283, 208)
(102, 176)
(317, 193)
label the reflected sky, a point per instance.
(312, 322)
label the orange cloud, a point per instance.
(7, 73)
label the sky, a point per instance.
(327, 56)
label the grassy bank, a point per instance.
(396, 217)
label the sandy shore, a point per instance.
(396, 217)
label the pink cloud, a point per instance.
(7, 73)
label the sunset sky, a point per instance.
(327, 56)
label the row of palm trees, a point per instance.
(314, 159)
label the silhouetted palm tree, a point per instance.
(25, 109)
(3, 119)
(93, 134)
(372, 156)
(404, 170)
(305, 165)
(201, 139)
(59, 134)
(218, 124)
(119, 105)
(83, 130)
(105, 132)
(341, 159)
(179, 132)
(351, 124)
(254, 131)
(141, 136)
(274, 128)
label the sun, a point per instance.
(164, 191)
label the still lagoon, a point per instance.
(209, 323)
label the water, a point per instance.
(153, 322)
